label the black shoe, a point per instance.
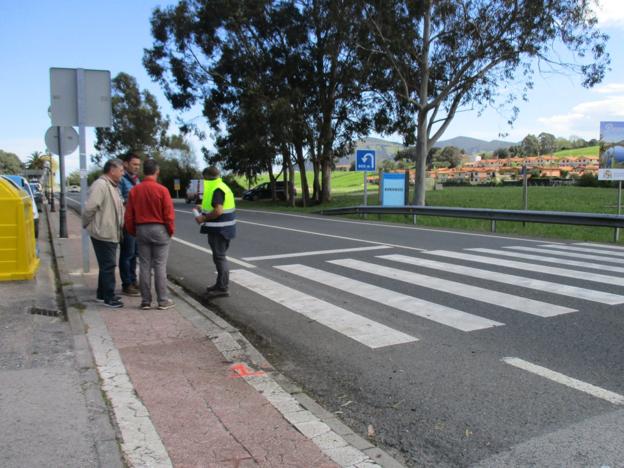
(100, 299)
(131, 291)
(146, 306)
(212, 288)
(217, 292)
(113, 303)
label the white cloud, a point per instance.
(609, 13)
(610, 88)
(584, 118)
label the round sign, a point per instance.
(69, 140)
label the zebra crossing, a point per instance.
(379, 333)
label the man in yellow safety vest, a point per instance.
(218, 220)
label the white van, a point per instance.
(195, 191)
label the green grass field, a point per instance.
(579, 199)
(342, 181)
(588, 151)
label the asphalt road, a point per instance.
(453, 357)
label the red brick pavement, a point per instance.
(204, 417)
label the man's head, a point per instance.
(131, 162)
(211, 173)
(113, 168)
(151, 168)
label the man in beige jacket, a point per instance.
(103, 219)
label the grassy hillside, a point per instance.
(342, 181)
(587, 151)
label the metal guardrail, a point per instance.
(548, 217)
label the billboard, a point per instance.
(394, 189)
(611, 165)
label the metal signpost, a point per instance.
(176, 187)
(364, 162)
(81, 98)
(611, 161)
(62, 141)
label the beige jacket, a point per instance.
(104, 212)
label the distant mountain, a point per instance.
(385, 149)
(474, 145)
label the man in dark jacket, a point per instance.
(128, 247)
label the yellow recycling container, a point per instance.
(18, 255)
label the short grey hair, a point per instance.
(115, 162)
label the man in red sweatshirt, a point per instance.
(150, 217)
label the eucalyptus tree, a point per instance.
(296, 60)
(436, 58)
(138, 124)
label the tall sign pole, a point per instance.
(63, 201)
(83, 98)
(82, 145)
(364, 162)
(51, 186)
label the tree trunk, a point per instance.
(421, 159)
(316, 184)
(327, 172)
(291, 182)
(272, 180)
(305, 191)
(422, 135)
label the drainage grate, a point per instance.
(44, 312)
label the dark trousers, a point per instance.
(219, 245)
(128, 259)
(105, 252)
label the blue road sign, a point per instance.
(365, 160)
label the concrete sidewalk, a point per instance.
(187, 389)
(52, 413)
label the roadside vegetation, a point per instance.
(348, 191)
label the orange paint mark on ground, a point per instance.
(241, 370)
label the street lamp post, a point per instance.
(50, 184)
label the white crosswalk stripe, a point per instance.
(559, 261)
(415, 306)
(582, 275)
(508, 301)
(520, 281)
(572, 248)
(601, 246)
(356, 327)
(561, 253)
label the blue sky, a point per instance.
(111, 35)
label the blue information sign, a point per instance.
(365, 160)
(393, 189)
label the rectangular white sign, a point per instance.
(64, 97)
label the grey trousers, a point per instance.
(219, 245)
(153, 240)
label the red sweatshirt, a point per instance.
(149, 202)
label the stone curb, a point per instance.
(105, 434)
(335, 439)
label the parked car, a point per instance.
(22, 184)
(194, 191)
(264, 191)
(74, 188)
(36, 190)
